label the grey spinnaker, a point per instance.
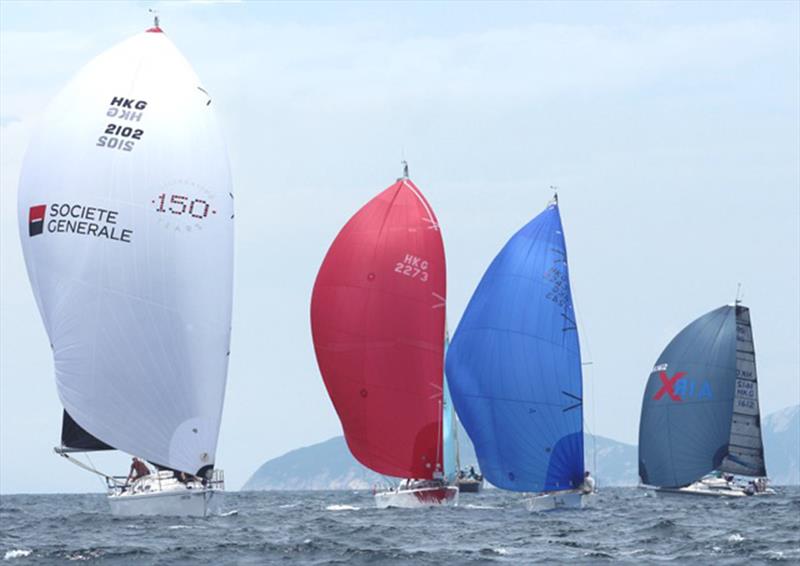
(688, 403)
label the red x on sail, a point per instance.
(669, 383)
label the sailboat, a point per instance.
(378, 325)
(126, 223)
(514, 369)
(700, 425)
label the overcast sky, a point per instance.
(672, 129)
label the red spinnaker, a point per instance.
(378, 322)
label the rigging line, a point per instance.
(95, 467)
(88, 468)
(591, 392)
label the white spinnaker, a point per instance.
(140, 329)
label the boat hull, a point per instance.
(177, 503)
(417, 497)
(572, 499)
(470, 486)
(162, 494)
(710, 487)
(685, 491)
(693, 491)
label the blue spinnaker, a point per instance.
(688, 406)
(514, 365)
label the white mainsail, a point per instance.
(126, 221)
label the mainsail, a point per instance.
(126, 222)
(514, 365)
(702, 383)
(75, 439)
(378, 323)
(449, 430)
(745, 447)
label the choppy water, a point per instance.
(345, 528)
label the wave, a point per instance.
(337, 507)
(17, 553)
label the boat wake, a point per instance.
(230, 513)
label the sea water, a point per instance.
(343, 527)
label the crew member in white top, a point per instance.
(588, 483)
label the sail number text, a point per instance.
(412, 266)
(118, 136)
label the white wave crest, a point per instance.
(735, 537)
(17, 553)
(342, 508)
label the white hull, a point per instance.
(708, 487)
(187, 503)
(572, 499)
(697, 489)
(162, 494)
(415, 498)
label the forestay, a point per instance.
(126, 221)
(514, 365)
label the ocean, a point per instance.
(342, 527)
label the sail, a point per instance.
(449, 431)
(76, 439)
(126, 222)
(514, 365)
(685, 426)
(745, 446)
(378, 324)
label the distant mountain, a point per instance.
(782, 445)
(329, 464)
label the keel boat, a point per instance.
(378, 325)
(514, 369)
(700, 428)
(126, 222)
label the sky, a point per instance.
(671, 129)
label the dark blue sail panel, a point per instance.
(514, 365)
(688, 403)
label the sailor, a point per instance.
(138, 470)
(472, 473)
(588, 484)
